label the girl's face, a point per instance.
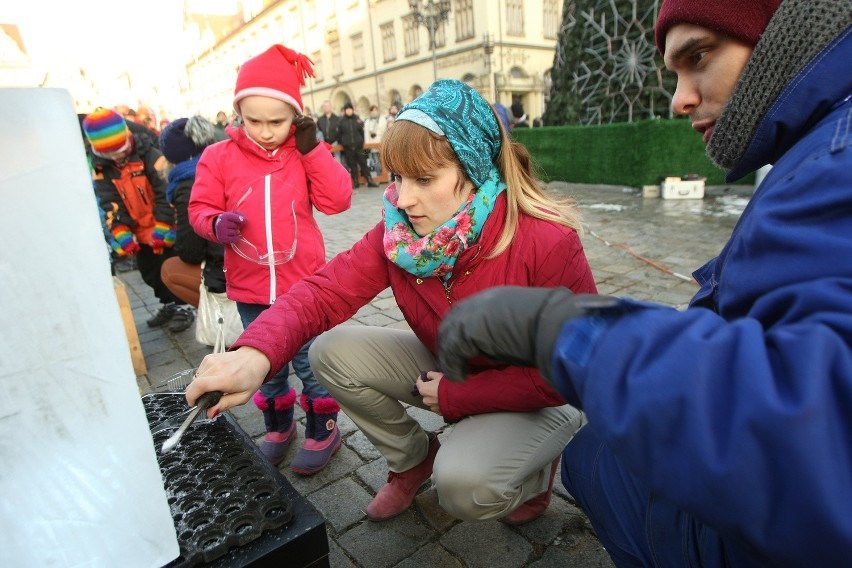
(431, 198)
(267, 120)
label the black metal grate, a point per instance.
(220, 491)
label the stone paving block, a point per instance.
(337, 556)
(345, 424)
(344, 462)
(585, 555)
(385, 544)
(374, 474)
(164, 358)
(342, 503)
(487, 544)
(365, 311)
(385, 303)
(154, 344)
(377, 319)
(435, 515)
(362, 446)
(430, 421)
(249, 418)
(431, 556)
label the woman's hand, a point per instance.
(238, 374)
(429, 390)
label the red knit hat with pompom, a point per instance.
(744, 21)
(278, 73)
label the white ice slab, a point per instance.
(79, 482)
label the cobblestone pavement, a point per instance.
(643, 248)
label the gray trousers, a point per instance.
(488, 464)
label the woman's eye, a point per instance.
(423, 180)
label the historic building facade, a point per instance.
(380, 51)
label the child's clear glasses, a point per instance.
(249, 251)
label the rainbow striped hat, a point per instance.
(106, 130)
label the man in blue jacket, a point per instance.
(720, 435)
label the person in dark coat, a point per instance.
(350, 135)
(182, 143)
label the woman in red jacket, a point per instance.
(464, 214)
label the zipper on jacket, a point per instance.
(267, 197)
(448, 289)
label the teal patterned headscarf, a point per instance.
(454, 110)
(465, 118)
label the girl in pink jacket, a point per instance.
(255, 193)
(464, 214)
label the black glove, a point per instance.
(516, 325)
(306, 133)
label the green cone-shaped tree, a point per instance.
(606, 67)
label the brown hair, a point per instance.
(409, 149)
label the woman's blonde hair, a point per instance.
(409, 149)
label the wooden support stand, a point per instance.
(130, 327)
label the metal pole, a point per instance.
(432, 31)
(373, 48)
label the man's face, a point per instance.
(326, 107)
(348, 111)
(708, 65)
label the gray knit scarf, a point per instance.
(798, 30)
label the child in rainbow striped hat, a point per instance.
(132, 194)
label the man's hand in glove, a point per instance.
(510, 324)
(306, 133)
(227, 227)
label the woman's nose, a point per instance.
(406, 195)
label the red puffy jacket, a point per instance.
(276, 192)
(542, 254)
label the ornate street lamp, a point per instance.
(431, 14)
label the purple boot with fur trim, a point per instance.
(280, 426)
(322, 436)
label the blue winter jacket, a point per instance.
(739, 409)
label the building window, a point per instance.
(440, 35)
(464, 19)
(411, 36)
(316, 57)
(388, 41)
(515, 17)
(336, 62)
(550, 19)
(358, 51)
(309, 12)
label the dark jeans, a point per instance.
(149, 269)
(355, 159)
(636, 527)
(278, 384)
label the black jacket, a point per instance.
(192, 248)
(350, 132)
(328, 127)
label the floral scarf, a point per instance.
(435, 254)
